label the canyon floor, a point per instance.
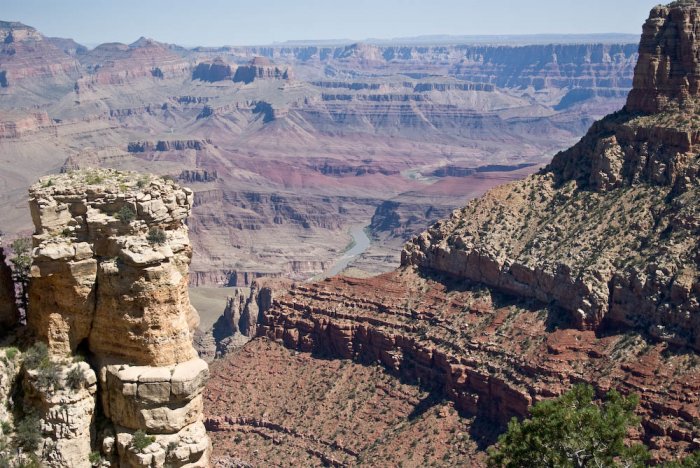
(271, 406)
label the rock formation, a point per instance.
(608, 231)
(668, 68)
(585, 272)
(243, 309)
(214, 71)
(491, 354)
(165, 145)
(25, 54)
(8, 308)
(109, 281)
(260, 68)
(117, 64)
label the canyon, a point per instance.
(355, 336)
(288, 147)
(583, 272)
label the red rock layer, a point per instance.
(25, 53)
(491, 355)
(114, 64)
(669, 63)
(270, 406)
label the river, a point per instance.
(360, 243)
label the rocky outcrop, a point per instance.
(165, 145)
(668, 69)
(214, 71)
(198, 175)
(9, 315)
(608, 231)
(244, 310)
(260, 68)
(67, 412)
(109, 278)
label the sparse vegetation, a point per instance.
(48, 376)
(74, 378)
(126, 214)
(22, 262)
(142, 182)
(36, 356)
(140, 440)
(94, 178)
(10, 353)
(28, 434)
(95, 459)
(156, 236)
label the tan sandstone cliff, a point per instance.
(109, 282)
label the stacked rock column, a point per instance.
(109, 279)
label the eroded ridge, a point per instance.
(492, 354)
(609, 230)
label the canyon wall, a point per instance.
(493, 355)
(629, 257)
(109, 282)
(584, 272)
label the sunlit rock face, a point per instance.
(109, 281)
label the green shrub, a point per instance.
(141, 440)
(6, 427)
(574, 431)
(28, 433)
(691, 461)
(126, 214)
(74, 378)
(48, 376)
(11, 353)
(93, 179)
(22, 259)
(156, 236)
(95, 458)
(36, 356)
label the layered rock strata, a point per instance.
(109, 280)
(585, 272)
(608, 231)
(214, 71)
(491, 354)
(260, 68)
